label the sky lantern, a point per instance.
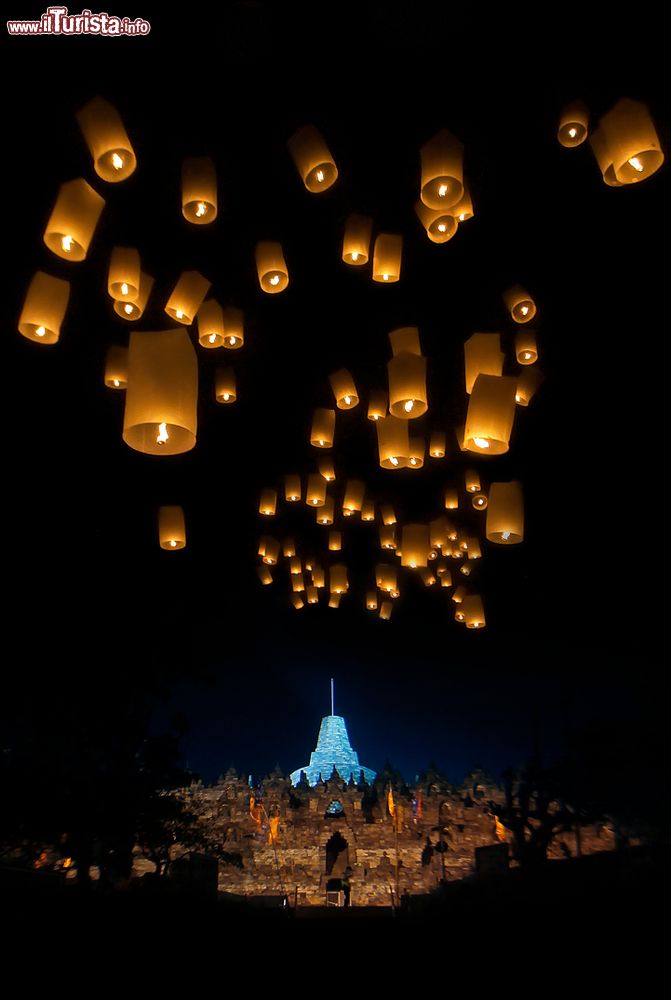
(573, 124)
(386, 609)
(445, 578)
(526, 350)
(473, 611)
(505, 513)
(482, 356)
(354, 495)
(292, 488)
(386, 577)
(326, 468)
(271, 267)
(171, 528)
(377, 405)
(371, 600)
(295, 565)
(263, 541)
(199, 190)
(312, 595)
(368, 510)
(387, 513)
(458, 594)
(160, 417)
(427, 577)
(44, 308)
(479, 501)
(356, 241)
(527, 385)
(315, 495)
(116, 367)
(474, 550)
(271, 551)
(387, 536)
(466, 567)
(491, 413)
(134, 310)
(225, 390)
(234, 332)
(438, 532)
(323, 428)
(451, 498)
(393, 442)
(338, 579)
(387, 258)
(123, 277)
(416, 453)
(334, 600)
(326, 513)
(626, 144)
(472, 481)
(519, 304)
(187, 297)
(297, 602)
(415, 545)
(335, 541)
(437, 444)
(211, 325)
(297, 583)
(73, 220)
(107, 139)
(313, 159)
(407, 375)
(289, 548)
(440, 226)
(264, 574)
(463, 210)
(442, 184)
(405, 340)
(344, 389)
(268, 502)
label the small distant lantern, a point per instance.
(171, 528)
(263, 541)
(308, 564)
(437, 443)
(473, 611)
(386, 577)
(626, 144)
(271, 267)
(44, 308)
(415, 545)
(356, 242)
(505, 513)
(459, 615)
(297, 583)
(459, 594)
(393, 442)
(368, 510)
(318, 577)
(134, 310)
(525, 347)
(405, 340)
(295, 566)
(387, 258)
(264, 574)
(407, 386)
(234, 331)
(334, 600)
(289, 548)
(335, 541)
(225, 386)
(377, 405)
(116, 367)
(199, 190)
(438, 532)
(466, 567)
(472, 481)
(313, 159)
(371, 600)
(387, 536)
(160, 416)
(491, 413)
(211, 325)
(482, 356)
(527, 384)
(479, 501)
(442, 171)
(107, 139)
(427, 577)
(323, 428)
(474, 550)
(272, 551)
(519, 304)
(388, 514)
(326, 513)
(446, 578)
(416, 454)
(573, 124)
(73, 220)
(312, 595)
(123, 278)
(344, 389)
(187, 297)
(463, 210)
(385, 610)
(451, 497)
(315, 495)
(326, 468)
(292, 488)
(268, 502)
(354, 495)
(438, 224)
(297, 602)
(338, 579)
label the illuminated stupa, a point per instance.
(333, 750)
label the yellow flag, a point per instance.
(273, 832)
(390, 802)
(500, 829)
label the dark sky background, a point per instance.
(576, 621)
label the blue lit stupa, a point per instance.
(333, 750)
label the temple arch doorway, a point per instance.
(337, 855)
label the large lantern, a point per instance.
(211, 325)
(527, 384)
(171, 528)
(626, 144)
(338, 579)
(199, 190)
(271, 267)
(161, 401)
(407, 386)
(387, 257)
(313, 159)
(323, 428)
(519, 304)
(315, 495)
(505, 513)
(393, 442)
(123, 278)
(377, 405)
(344, 389)
(292, 488)
(73, 220)
(473, 612)
(573, 124)
(44, 308)
(187, 297)
(526, 350)
(442, 171)
(116, 367)
(482, 356)
(415, 545)
(268, 502)
(439, 225)
(491, 412)
(225, 389)
(356, 242)
(134, 310)
(107, 139)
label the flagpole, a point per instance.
(332, 712)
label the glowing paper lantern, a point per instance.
(416, 455)
(527, 384)
(323, 428)
(368, 510)
(344, 389)
(315, 495)
(473, 611)
(438, 224)
(271, 267)
(472, 481)
(297, 602)
(225, 386)
(160, 417)
(415, 545)
(312, 595)
(438, 532)
(123, 278)
(263, 541)
(171, 528)
(297, 583)
(371, 600)
(292, 488)
(427, 577)
(407, 386)
(107, 139)
(386, 577)
(73, 220)
(318, 577)
(463, 210)
(519, 304)
(377, 405)
(44, 308)
(295, 566)
(387, 257)
(626, 144)
(387, 536)
(116, 367)
(474, 550)
(326, 512)
(211, 325)
(573, 124)
(446, 578)
(388, 514)
(271, 552)
(491, 413)
(479, 501)
(525, 347)
(356, 242)
(338, 579)
(334, 600)
(326, 468)
(451, 499)
(354, 494)
(264, 574)
(459, 435)
(466, 567)
(234, 332)
(289, 548)
(405, 340)
(134, 310)
(386, 610)
(187, 297)
(442, 171)
(335, 541)
(313, 159)
(482, 356)
(437, 444)
(459, 594)
(199, 190)
(505, 514)
(268, 502)
(393, 443)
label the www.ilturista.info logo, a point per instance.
(58, 21)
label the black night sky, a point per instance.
(97, 614)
